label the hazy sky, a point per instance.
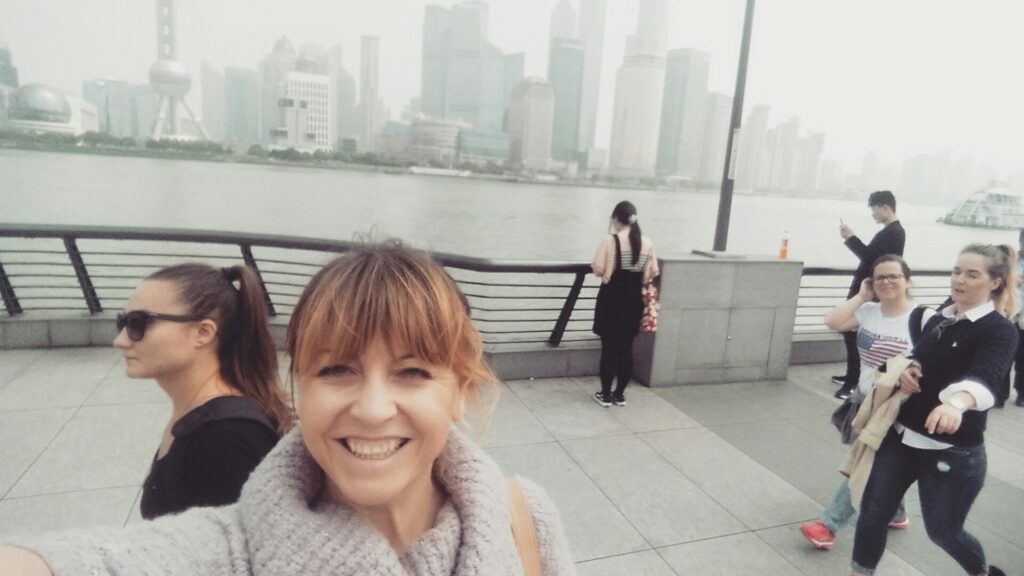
(900, 77)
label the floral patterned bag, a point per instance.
(649, 321)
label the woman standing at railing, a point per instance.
(625, 260)
(884, 329)
(207, 344)
(938, 441)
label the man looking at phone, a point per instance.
(889, 240)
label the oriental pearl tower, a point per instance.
(168, 77)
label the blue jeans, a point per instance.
(948, 481)
(840, 510)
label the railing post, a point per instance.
(570, 304)
(250, 261)
(84, 281)
(7, 292)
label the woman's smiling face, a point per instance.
(377, 423)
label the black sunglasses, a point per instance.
(135, 322)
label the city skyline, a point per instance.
(889, 90)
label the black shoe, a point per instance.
(1019, 401)
(601, 399)
(839, 379)
(843, 393)
(993, 571)
(619, 399)
(1000, 403)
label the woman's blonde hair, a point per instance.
(1001, 260)
(399, 294)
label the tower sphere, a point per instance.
(170, 77)
(39, 103)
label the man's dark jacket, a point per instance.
(889, 240)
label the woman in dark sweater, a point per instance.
(938, 440)
(207, 344)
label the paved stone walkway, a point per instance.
(698, 480)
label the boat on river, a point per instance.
(994, 206)
(428, 171)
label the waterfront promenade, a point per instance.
(695, 480)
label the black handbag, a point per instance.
(842, 419)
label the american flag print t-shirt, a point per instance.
(879, 338)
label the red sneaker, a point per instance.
(818, 534)
(900, 524)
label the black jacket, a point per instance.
(889, 240)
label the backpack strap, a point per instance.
(523, 531)
(915, 325)
(618, 252)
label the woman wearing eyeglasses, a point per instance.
(938, 441)
(207, 344)
(884, 329)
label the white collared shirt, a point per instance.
(983, 398)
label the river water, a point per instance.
(500, 220)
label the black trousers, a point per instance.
(616, 362)
(852, 360)
(1018, 368)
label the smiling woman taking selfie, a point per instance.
(962, 356)
(375, 478)
(207, 344)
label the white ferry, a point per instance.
(426, 171)
(995, 206)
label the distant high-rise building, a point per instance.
(346, 121)
(530, 119)
(808, 162)
(638, 92)
(213, 101)
(313, 59)
(716, 136)
(242, 107)
(783, 158)
(315, 91)
(168, 77)
(684, 100)
(565, 72)
(8, 73)
(563, 21)
(830, 179)
(273, 69)
(123, 110)
(591, 33)
(293, 132)
(434, 140)
(369, 92)
(752, 139)
(465, 77)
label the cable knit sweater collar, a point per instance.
(288, 531)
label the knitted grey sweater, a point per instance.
(278, 528)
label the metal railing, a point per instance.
(822, 289)
(92, 269)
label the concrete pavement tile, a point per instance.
(116, 388)
(790, 543)
(711, 404)
(13, 362)
(913, 546)
(821, 427)
(644, 411)
(101, 447)
(62, 379)
(999, 509)
(665, 506)
(510, 423)
(24, 435)
(781, 400)
(594, 526)
(749, 491)
(646, 563)
(735, 555)
(565, 408)
(809, 464)
(1004, 463)
(135, 514)
(70, 510)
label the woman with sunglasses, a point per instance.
(377, 480)
(885, 328)
(207, 344)
(938, 441)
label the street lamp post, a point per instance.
(725, 197)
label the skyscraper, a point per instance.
(241, 107)
(638, 93)
(314, 91)
(783, 160)
(716, 137)
(213, 101)
(808, 162)
(369, 110)
(563, 21)
(752, 139)
(8, 73)
(565, 71)
(681, 134)
(530, 118)
(346, 123)
(123, 110)
(273, 69)
(465, 77)
(591, 33)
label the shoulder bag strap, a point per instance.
(523, 531)
(618, 252)
(915, 325)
